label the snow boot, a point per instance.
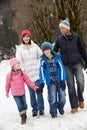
(41, 112)
(23, 118)
(81, 104)
(61, 111)
(34, 114)
(74, 110)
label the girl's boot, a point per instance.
(23, 118)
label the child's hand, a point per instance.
(37, 87)
(40, 89)
(63, 85)
(7, 95)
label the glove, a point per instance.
(62, 85)
(85, 67)
(40, 89)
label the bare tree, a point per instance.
(69, 9)
(41, 17)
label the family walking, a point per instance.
(55, 68)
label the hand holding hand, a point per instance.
(40, 88)
(63, 85)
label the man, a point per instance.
(72, 51)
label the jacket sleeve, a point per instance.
(39, 52)
(28, 81)
(41, 72)
(62, 70)
(82, 49)
(19, 56)
(8, 85)
(56, 46)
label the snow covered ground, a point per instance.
(10, 119)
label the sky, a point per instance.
(10, 119)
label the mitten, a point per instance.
(41, 85)
(62, 85)
(40, 89)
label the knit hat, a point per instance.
(14, 61)
(46, 44)
(26, 32)
(49, 45)
(65, 24)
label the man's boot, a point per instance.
(81, 104)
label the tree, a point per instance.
(69, 9)
(41, 17)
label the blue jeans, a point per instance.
(75, 72)
(37, 101)
(56, 98)
(21, 102)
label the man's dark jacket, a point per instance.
(71, 49)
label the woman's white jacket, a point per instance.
(29, 56)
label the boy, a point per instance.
(52, 71)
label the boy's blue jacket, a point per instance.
(44, 72)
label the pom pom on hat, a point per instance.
(65, 24)
(49, 45)
(14, 61)
(26, 32)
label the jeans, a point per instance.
(37, 101)
(56, 98)
(21, 102)
(74, 72)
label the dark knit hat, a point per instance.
(65, 24)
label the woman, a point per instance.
(29, 53)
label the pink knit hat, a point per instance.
(26, 32)
(14, 61)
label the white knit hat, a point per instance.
(65, 24)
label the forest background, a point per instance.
(41, 17)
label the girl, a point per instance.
(15, 81)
